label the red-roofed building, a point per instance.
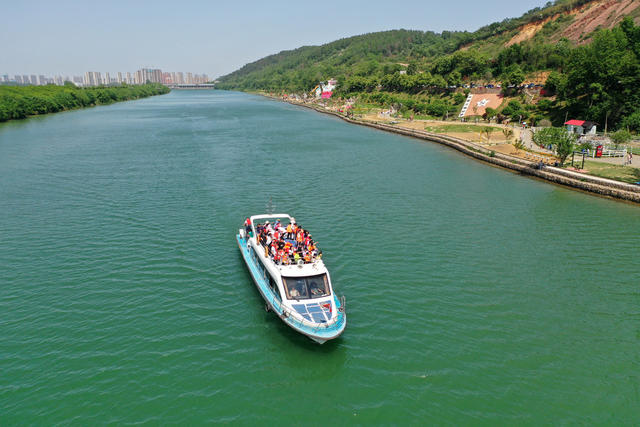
(581, 127)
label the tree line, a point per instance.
(19, 102)
(597, 81)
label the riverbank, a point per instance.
(21, 102)
(527, 166)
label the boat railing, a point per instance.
(296, 319)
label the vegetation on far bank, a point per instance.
(19, 102)
(429, 74)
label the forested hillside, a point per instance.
(18, 102)
(592, 74)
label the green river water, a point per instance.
(474, 295)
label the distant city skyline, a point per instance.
(67, 37)
(97, 78)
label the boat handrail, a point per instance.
(296, 317)
(269, 216)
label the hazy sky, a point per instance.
(213, 37)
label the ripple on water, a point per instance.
(473, 294)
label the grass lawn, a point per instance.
(617, 172)
(416, 116)
(364, 108)
(459, 128)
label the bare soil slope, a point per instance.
(587, 18)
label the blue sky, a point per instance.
(67, 37)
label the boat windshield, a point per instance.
(306, 287)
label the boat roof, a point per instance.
(303, 270)
(269, 216)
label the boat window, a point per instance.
(306, 287)
(274, 287)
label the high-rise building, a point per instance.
(189, 80)
(119, 78)
(92, 78)
(129, 78)
(144, 75)
(156, 76)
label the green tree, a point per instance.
(514, 110)
(603, 77)
(562, 141)
(487, 130)
(556, 83)
(423, 80)
(489, 113)
(508, 134)
(459, 98)
(632, 121)
(438, 81)
(513, 76)
(412, 68)
(454, 78)
(621, 137)
(18, 102)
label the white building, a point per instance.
(92, 78)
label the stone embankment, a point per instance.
(601, 186)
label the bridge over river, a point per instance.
(192, 86)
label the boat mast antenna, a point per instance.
(270, 207)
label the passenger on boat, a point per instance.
(315, 288)
(294, 292)
(287, 245)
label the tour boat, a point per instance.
(300, 293)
